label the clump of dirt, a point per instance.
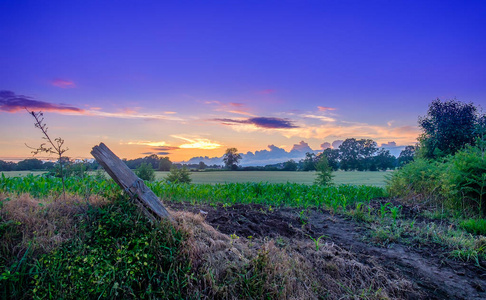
(342, 264)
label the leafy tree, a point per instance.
(152, 159)
(231, 158)
(356, 154)
(383, 160)
(178, 176)
(145, 172)
(202, 165)
(406, 156)
(30, 164)
(7, 166)
(332, 156)
(165, 164)
(309, 162)
(447, 128)
(290, 165)
(324, 172)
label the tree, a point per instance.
(406, 156)
(355, 154)
(231, 158)
(332, 156)
(202, 165)
(145, 172)
(324, 172)
(30, 164)
(447, 128)
(309, 162)
(384, 160)
(165, 164)
(290, 165)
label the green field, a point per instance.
(341, 177)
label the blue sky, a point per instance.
(191, 78)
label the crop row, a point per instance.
(288, 194)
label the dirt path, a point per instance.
(433, 275)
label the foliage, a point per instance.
(290, 165)
(406, 156)
(309, 162)
(466, 179)
(324, 172)
(164, 164)
(231, 158)
(202, 165)
(333, 157)
(355, 154)
(475, 226)
(120, 255)
(145, 172)
(383, 160)
(447, 128)
(178, 176)
(420, 180)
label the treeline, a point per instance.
(164, 164)
(34, 164)
(354, 155)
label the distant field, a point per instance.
(341, 177)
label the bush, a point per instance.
(178, 176)
(121, 255)
(324, 172)
(419, 180)
(146, 172)
(466, 179)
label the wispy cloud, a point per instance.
(261, 122)
(11, 102)
(63, 84)
(128, 114)
(197, 143)
(325, 108)
(231, 107)
(322, 118)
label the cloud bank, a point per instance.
(261, 122)
(11, 102)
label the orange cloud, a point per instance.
(64, 84)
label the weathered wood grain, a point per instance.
(128, 181)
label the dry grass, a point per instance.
(42, 224)
(298, 271)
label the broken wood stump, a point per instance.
(129, 182)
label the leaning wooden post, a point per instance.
(128, 181)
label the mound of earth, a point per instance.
(417, 273)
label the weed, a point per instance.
(316, 241)
(474, 226)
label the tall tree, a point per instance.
(355, 154)
(406, 155)
(231, 158)
(447, 127)
(165, 164)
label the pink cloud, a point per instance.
(64, 84)
(325, 108)
(266, 92)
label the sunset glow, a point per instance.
(186, 81)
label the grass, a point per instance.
(308, 178)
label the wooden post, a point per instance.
(128, 181)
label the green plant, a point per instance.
(145, 171)
(316, 241)
(474, 226)
(53, 147)
(178, 176)
(324, 172)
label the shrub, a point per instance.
(466, 179)
(419, 180)
(146, 172)
(474, 226)
(324, 172)
(178, 176)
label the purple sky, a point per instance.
(197, 77)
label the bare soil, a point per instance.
(433, 274)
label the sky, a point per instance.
(193, 78)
